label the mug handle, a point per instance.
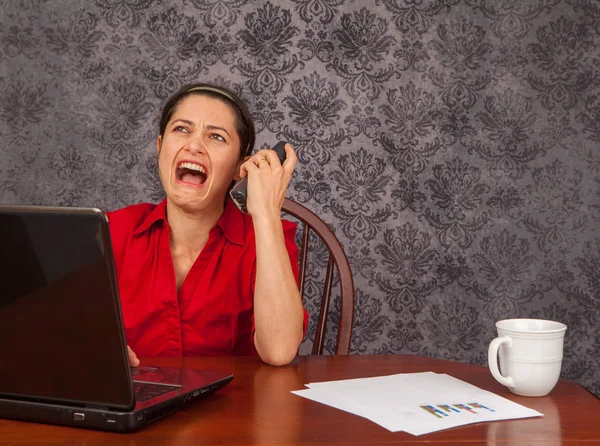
(493, 360)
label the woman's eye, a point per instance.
(180, 128)
(217, 137)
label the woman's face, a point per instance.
(198, 155)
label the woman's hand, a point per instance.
(133, 359)
(268, 180)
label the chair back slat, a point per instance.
(303, 257)
(337, 258)
(325, 302)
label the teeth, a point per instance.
(193, 166)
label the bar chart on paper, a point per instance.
(444, 410)
(423, 418)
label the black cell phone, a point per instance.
(239, 191)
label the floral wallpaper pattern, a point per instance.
(453, 145)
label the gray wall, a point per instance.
(452, 145)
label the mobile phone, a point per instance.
(239, 191)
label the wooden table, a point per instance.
(258, 408)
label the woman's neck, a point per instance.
(189, 230)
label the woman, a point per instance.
(196, 275)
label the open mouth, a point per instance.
(191, 173)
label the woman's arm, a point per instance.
(278, 311)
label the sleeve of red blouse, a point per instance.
(289, 234)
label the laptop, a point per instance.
(64, 355)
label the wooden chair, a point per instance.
(312, 223)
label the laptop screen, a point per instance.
(60, 327)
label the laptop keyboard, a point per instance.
(145, 391)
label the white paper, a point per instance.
(329, 397)
(417, 403)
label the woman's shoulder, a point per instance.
(247, 225)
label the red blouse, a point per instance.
(212, 313)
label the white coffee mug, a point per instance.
(531, 352)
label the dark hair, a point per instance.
(243, 122)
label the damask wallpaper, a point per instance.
(451, 144)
